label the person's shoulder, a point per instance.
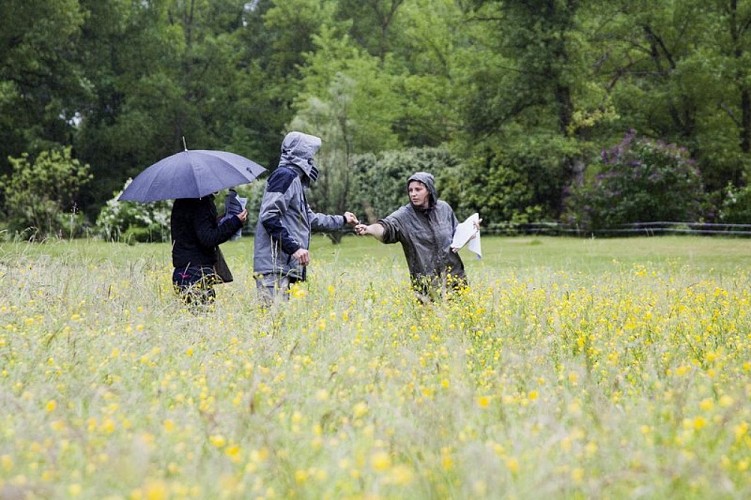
(443, 206)
(283, 171)
(398, 217)
(281, 179)
(401, 211)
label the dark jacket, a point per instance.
(196, 233)
(425, 236)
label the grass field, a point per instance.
(572, 368)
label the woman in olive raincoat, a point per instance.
(425, 228)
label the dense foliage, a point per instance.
(523, 94)
(638, 180)
(736, 206)
(381, 181)
(134, 222)
(40, 196)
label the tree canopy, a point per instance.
(521, 96)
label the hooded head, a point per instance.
(429, 181)
(298, 149)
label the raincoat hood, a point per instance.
(298, 149)
(429, 181)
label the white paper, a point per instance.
(468, 233)
(243, 202)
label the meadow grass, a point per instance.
(572, 368)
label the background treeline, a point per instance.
(590, 112)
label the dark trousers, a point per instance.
(195, 284)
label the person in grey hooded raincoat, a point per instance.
(285, 220)
(425, 228)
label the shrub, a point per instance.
(134, 222)
(381, 181)
(519, 181)
(42, 197)
(736, 205)
(638, 180)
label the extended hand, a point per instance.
(350, 218)
(375, 230)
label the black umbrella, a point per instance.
(191, 174)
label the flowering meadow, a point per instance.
(571, 368)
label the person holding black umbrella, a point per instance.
(196, 236)
(191, 178)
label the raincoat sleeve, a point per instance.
(210, 234)
(394, 223)
(232, 206)
(323, 222)
(392, 226)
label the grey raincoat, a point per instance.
(286, 220)
(426, 235)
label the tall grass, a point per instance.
(571, 368)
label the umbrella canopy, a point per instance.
(191, 174)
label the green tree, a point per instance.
(43, 196)
(729, 34)
(371, 23)
(339, 71)
(260, 109)
(275, 49)
(538, 65)
(428, 66)
(330, 120)
(156, 67)
(528, 134)
(679, 71)
(40, 82)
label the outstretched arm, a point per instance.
(375, 230)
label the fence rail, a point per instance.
(636, 228)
